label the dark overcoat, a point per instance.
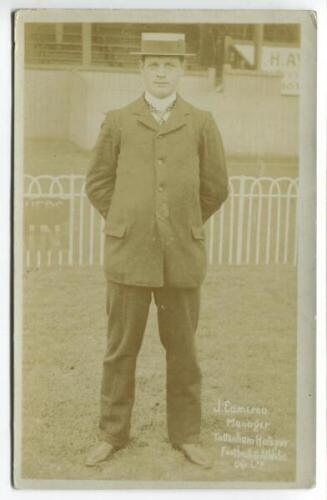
(156, 185)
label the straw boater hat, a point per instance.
(163, 44)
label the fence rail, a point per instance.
(256, 225)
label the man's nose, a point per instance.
(161, 71)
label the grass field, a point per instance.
(246, 343)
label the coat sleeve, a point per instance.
(101, 174)
(213, 173)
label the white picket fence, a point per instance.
(256, 225)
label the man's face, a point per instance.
(161, 74)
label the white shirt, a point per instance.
(160, 104)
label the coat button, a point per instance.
(160, 161)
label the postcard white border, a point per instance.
(321, 225)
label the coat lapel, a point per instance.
(143, 115)
(176, 120)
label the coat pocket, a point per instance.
(198, 232)
(116, 230)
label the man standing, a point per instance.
(158, 173)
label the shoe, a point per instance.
(196, 454)
(99, 453)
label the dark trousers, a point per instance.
(178, 311)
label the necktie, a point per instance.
(160, 115)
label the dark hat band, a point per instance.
(163, 47)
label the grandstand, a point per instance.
(109, 45)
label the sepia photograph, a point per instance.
(164, 248)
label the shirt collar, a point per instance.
(160, 104)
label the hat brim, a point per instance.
(165, 54)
